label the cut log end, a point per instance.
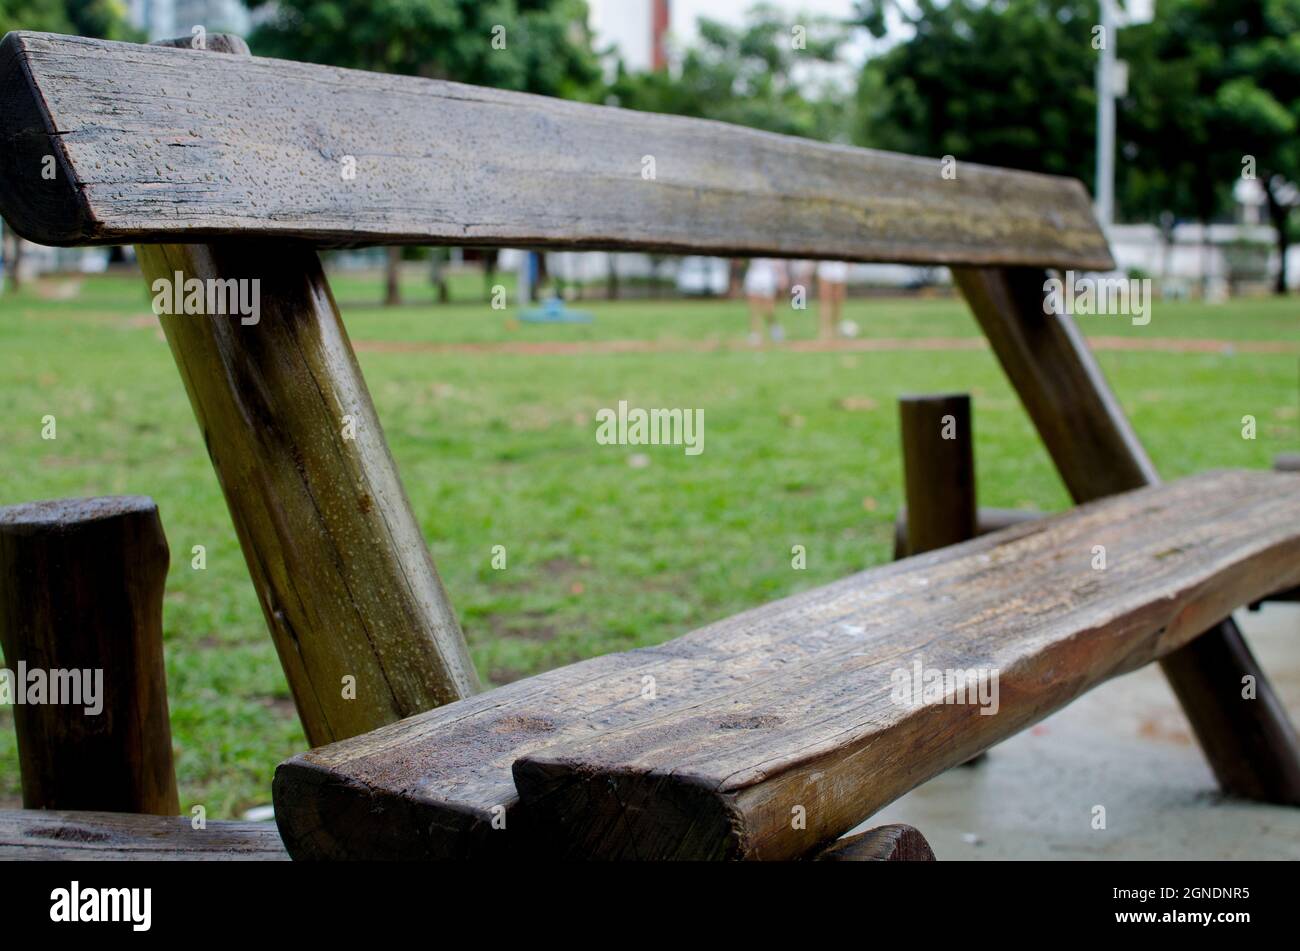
(626, 816)
(892, 843)
(37, 205)
(64, 514)
(323, 818)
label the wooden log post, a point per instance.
(81, 587)
(938, 470)
(358, 614)
(360, 619)
(1250, 743)
(939, 475)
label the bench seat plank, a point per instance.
(39, 835)
(788, 699)
(159, 144)
(831, 744)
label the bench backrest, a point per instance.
(158, 144)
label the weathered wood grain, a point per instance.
(938, 470)
(1251, 744)
(439, 785)
(771, 769)
(896, 843)
(43, 836)
(81, 592)
(170, 145)
(430, 786)
(336, 555)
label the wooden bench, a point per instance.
(232, 168)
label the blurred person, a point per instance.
(765, 278)
(832, 281)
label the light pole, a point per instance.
(1112, 82)
(1105, 182)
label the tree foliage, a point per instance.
(1218, 99)
(769, 73)
(541, 46)
(1007, 83)
(104, 19)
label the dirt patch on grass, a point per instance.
(874, 345)
(500, 676)
(281, 706)
(524, 625)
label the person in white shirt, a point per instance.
(832, 280)
(765, 278)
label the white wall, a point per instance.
(1188, 260)
(625, 24)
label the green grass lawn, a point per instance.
(606, 551)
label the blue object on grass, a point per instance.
(553, 311)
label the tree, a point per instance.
(1165, 140)
(46, 16)
(104, 19)
(1214, 95)
(1237, 114)
(539, 46)
(1007, 83)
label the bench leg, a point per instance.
(938, 470)
(1251, 744)
(938, 476)
(336, 555)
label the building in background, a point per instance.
(636, 31)
(164, 19)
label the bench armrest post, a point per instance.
(359, 616)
